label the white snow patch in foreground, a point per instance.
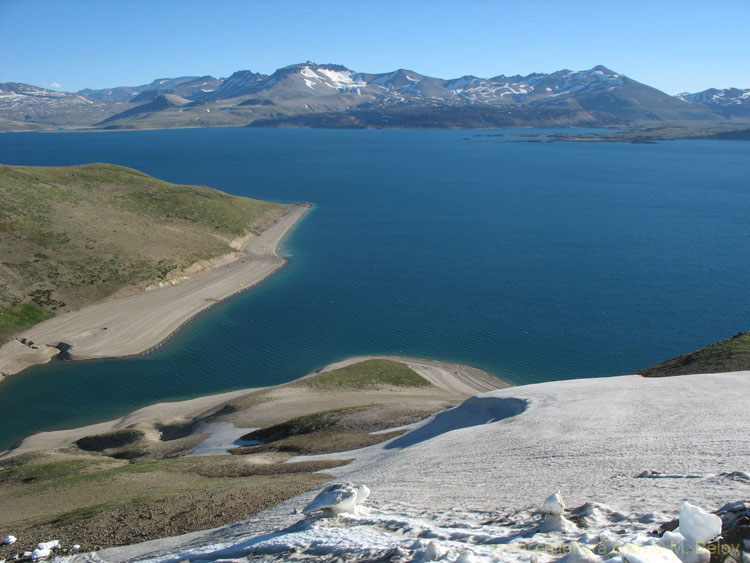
(697, 525)
(351, 536)
(44, 549)
(696, 528)
(554, 505)
(470, 482)
(339, 498)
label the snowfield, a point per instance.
(613, 457)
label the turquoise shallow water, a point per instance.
(533, 261)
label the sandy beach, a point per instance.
(134, 324)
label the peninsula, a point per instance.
(123, 259)
(382, 423)
(200, 463)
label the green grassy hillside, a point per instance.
(732, 354)
(72, 236)
(370, 374)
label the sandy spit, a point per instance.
(135, 324)
(451, 380)
(454, 378)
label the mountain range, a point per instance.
(329, 95)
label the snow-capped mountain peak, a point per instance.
(332, 76)
(295, 93)
(717, 96)
(14, 93)
(730, 102)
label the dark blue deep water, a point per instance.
(532, 261)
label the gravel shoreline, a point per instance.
(135, 324)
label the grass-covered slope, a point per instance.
(732, 354)
(72, 236)
(98, 501)
(370, 374)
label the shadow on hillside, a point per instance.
(473, 412)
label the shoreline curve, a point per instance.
(133, 325)
(455, 379)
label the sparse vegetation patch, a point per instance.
(299, 426)
(370, 374)
(732, 354)
(20, 317)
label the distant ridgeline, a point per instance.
(333, 96)
(732, 354)
(72, 236)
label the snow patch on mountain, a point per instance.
(308, 72)
(20, 98)
(586, 81)
(717, 97)
(519, 89)
(340, 80)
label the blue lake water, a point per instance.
(532, 261)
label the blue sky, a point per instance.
(672, 45)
